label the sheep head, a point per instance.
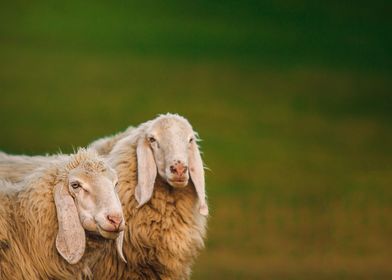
(168, 147)
(86, 199)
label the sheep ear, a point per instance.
(146, 172)
(119, 246)
(196, 171)
(71, 239)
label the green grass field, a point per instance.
(292, 99)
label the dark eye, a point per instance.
(116, 185)
(151, 139)
(191, 140)
(75, 185)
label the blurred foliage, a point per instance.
(292, 98)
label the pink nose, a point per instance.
(115, 220)
(178, 168)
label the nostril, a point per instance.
(173, 169)
(185, 169)
(114, 219)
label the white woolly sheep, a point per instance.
(44, 218)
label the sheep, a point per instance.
(52, 209)
(165, 211)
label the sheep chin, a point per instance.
(108, 234)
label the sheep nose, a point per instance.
(115, 219)
(178, 168)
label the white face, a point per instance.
(97, 201)
(170, 141)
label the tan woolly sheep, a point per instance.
(165, 211)
(44, 218)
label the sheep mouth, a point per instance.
(178, 182)
(108, 234)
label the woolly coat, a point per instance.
(163, 237)
(15, 168)
(105, 145)
(28, 228)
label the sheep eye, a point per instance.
(151, 139)
(191, 140)
(75, 185)
(116, 185)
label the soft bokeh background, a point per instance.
(292, 98)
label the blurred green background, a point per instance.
(292, 98)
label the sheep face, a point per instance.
(168, 147)
(96, 199)
(86, 199)
(171, 139)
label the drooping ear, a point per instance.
(71, 239)
(196, 171)
(146, 172)
(119, 246)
